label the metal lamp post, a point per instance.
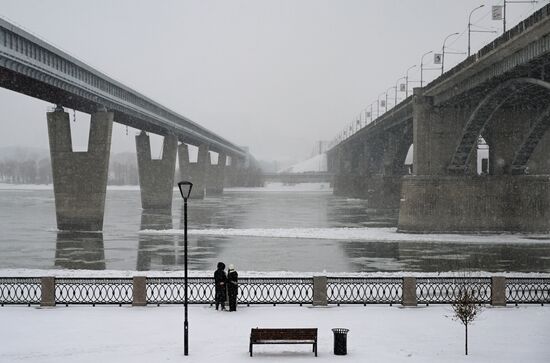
(443, 52)
(378, 105)
(407, 81)
(470, 26)
(396, 84)
(504, 10)
(389, 89)
(185, 190)
(422, 67)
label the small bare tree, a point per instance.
(466, 309)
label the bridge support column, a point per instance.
(216, 176)
(195, 172)
(80, 178)
(514, 203)
(156, 177)
(436, 131)
(347, 183)
(383, 191)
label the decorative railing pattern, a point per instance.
(20, 290)
(443, 290)
(351, 290)
(171, 290)
(93, 291)
(251, 290)
(275, 290)
(528, 291)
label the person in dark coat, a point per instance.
(232, 287)
(219, 282)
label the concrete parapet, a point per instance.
(320, 291)
(475, 204)
(139, 291)
(48, 291)
(409, 291)
(80, 178)
(498, 291)
(156, 177)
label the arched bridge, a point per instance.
(501, 96)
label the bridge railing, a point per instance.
(273, 290)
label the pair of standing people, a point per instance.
(226, 286)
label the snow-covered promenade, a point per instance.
(377, 334)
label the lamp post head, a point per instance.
(185, 189)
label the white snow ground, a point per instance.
(377, 334)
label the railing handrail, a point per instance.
(496, 290)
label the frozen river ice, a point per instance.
(301, 228)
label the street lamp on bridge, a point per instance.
(396, 84)
(407, 80)
(389, 89)
(443, 52)
(475, 31)
(422, 67)
(378, 105)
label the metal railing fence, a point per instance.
(273, 290)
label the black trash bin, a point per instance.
(340, 341)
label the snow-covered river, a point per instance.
(300, 229)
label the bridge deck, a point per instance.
(31, 66)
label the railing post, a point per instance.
(498, 291)
(48, 291)
(139, 293)
(320, 291)
(409, 291)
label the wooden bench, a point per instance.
(283, 336)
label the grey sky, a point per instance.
(273, 75)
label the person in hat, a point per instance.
(220, 280)
(232, 287)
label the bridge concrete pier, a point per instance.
(80, 178)
(383, 192)
(235, 172)
(216, 176)
(512, 203)
(156, 177)
(371, 169)
(196, 173)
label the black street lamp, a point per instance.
(185, 190)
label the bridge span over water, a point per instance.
(500, 95)
(31, 66)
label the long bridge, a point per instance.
(500, 96)
(31, 66)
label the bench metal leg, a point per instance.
(315, 348)
(250, 349)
